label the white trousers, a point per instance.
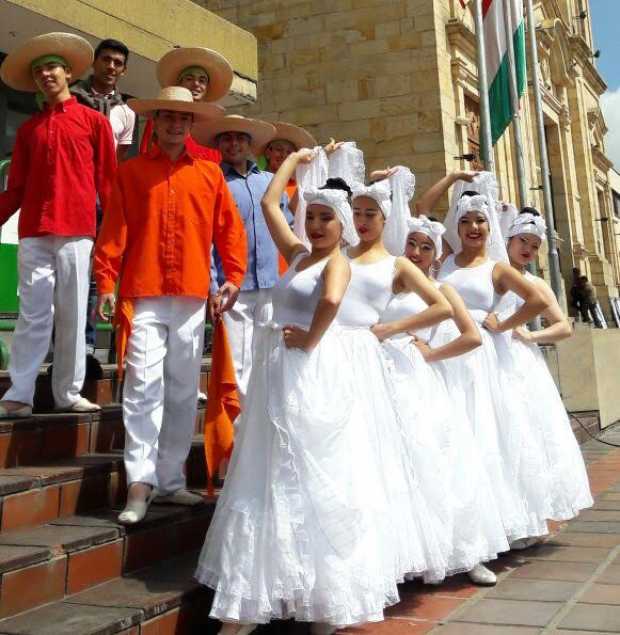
(53, 291)
(252, 311)
(164, 353)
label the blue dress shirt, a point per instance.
(248, 191)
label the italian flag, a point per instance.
(496, 45)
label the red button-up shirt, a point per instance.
(63, 157)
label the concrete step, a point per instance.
(104, 391)
(68, 555)
(49, 437)
(35, 494)
(159, 600)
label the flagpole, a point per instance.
(514, 99)
(486, 140)
(554, 259)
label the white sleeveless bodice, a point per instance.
(474, 285)
(403, 305)
(297, 293)
(368, 294)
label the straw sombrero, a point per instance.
(299, 137)
(16, 69)
(260, 131)
(220, 72)
(178, 99)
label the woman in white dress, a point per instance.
(478, 533)
(294, 534)
(570, 490)
(418, 521)
(506, 435)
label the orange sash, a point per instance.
(222, 403)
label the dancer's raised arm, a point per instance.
(283, 236)
(428, 201)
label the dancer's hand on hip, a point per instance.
(296, 337)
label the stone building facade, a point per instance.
(399, 77)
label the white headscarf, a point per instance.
(486, 185)
(433, 229)
(507, 213)
(337, 200)
(347, 162)
(528, 224)
(380, 192)
(308, 176)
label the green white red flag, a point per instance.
(496, 50)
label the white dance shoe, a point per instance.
(21, 412)
(81, 405)
(482, 576)
(524, 543)
(180, 497)
(135, 511)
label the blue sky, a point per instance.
(605, 22)
(605, 16)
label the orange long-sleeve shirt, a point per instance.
(160, 224)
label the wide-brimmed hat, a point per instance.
(16, 70)
(261, 132)
(220, 72)
(299, 137)
(178, 99)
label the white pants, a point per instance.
(164, 353)
(252, 311)
(53, 290)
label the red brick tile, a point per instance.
(65, 441)
(424, 607)
(134, 630)
(84, 495)
(35, 507)
(144, 548)
(20, 447)
(107, 434)
(93, 566)
(175, 622)
(26, 588)
(392, 627)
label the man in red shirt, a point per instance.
(206, 74)
(63, 157)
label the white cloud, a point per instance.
(610, 105)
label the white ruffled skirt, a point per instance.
(569, 488)
(408, 470)
(299, 528)
(477, 531)
(482, 384)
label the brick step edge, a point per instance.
(159, 600)
(71, 555)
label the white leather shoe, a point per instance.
(23, 412)
(135, 511)
(81, 405)
(180, 497)
(482, 576)
(524, 543)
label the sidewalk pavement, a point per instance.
(569, 585)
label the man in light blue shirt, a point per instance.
(238, 138)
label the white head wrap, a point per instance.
(486, 185)
(507, 213)
(308, 176)
(347, 162)
(528, 224)
(338, 201)
(380, 192)
(396, 229)
(433, 229)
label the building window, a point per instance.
(472, 112)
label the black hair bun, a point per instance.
(433, 219)
(336, 184)
(530, 210)
(470, 193)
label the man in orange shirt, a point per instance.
(166, 211)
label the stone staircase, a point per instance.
(66, 565)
